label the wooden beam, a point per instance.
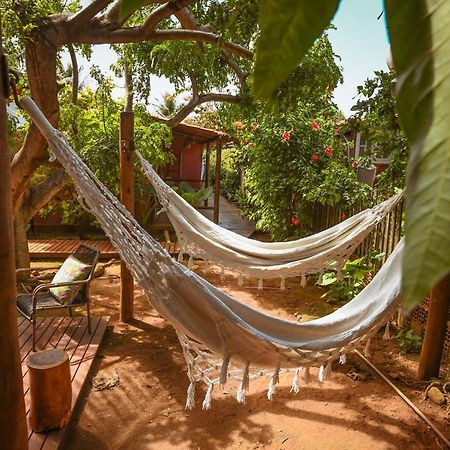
(436, 327)
(13, 426)
(217, 181)
(207, 167)
(126, 146)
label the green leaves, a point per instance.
(127, 7)
(288, 29)
(420, 34)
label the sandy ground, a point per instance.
(146, 410)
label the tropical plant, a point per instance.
(355, 273)
(420, 42)
(194, 196)
(408, 341)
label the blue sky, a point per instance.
(362, 43)
(360, 40)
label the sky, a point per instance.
(360, 40)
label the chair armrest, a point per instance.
(47, 286)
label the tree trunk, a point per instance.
(41, 69)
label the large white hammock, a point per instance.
(202, 238)
(221, 337)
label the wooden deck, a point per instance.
(72, 336)
(62, 248)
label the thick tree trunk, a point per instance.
(41, 69)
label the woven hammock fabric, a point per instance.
(221, 337)
(202, 238)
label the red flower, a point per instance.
(354, 164)
(330, 90)
(295, 221)
(239, 125)
(315, 126)
(254, 126)
(314, 157)
(286, 136)
(329, 151)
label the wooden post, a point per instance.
(126, 145)
(13, 426)
(207, 164)
(217, 183)
(436, 327)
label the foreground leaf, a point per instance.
(127, 7)
(420, 34)
(288, 30)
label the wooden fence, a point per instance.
(382, 239)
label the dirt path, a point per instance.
(146, 410)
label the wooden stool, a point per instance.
(50, 389)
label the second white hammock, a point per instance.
(201, 238)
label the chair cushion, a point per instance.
(71, 270)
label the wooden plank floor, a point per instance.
(62, 248)
(71, 335)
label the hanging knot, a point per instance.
(243, 388)
(208, 397)
(295, 388)
(273, 381)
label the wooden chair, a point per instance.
(41, 300)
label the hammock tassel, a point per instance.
(307, 376)
(283, 284)
(327, 371)
(240, 280)
(303, 280)
(321, 374)
(260, 284)
(190, 262)
(273, 381)
(222, 274)
(387, 334)
(400, 317)
(320, 279)
(224, 370)
(180, 256)
(295, 388)
(208, 396)
(243, 388)
(342, 358)
(367, 348)
(190, 401)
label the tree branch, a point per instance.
(163, 12)
(38, 196)
(198, 100)
(188, 21)
(83, 16)
(75, 74)
(136, 34)
(112, 16)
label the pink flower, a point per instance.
(295, 221)
(286, 136)
(354, 164)
(239, 125)
(314, 157)
(315, 126)
(329, 151)
(330, 90)
(254, 126)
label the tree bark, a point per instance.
(21, 244)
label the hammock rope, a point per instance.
(221, 337)
(201, 238)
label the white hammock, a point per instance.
(242, 342)
(202, 238)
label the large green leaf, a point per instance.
(127, 7)
(288, 29)
(420, 40)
